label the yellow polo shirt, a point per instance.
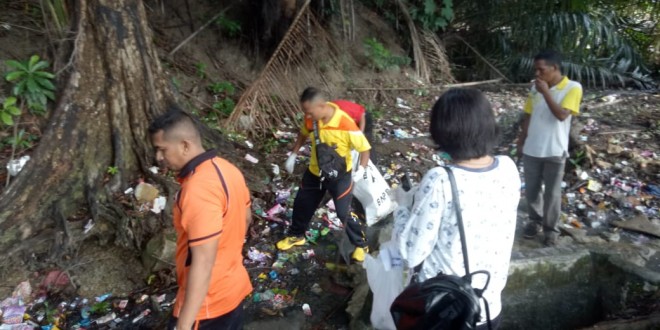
(340, 132)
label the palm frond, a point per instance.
(434, 52)
(306, 56)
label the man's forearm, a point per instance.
(199, 278)
(364, 158)
(299, 142)
(363, 122)
(556, 109)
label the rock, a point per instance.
(610, 237)
(639, 224)
(580, 236)
(614, 149)
(603, 164)
(146, 193)
(160, 250)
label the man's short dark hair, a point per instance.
(463, 124)
(550, 57)
(173, 117)
(310, 93)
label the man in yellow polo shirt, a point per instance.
(551, 103)
(211, 216)
(338, 130)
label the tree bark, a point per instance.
(114, 87)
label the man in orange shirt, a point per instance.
(211, 217)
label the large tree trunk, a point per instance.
(114, 87)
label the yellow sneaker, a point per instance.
(358, 254)
(290, 242)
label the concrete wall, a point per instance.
(570, 288)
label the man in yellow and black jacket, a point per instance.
(338, 130)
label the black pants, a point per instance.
(311, 194)
(230, 321)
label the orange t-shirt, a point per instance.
(212, 204)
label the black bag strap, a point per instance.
(317, 135)
(459, 217)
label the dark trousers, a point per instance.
(311, 194)
(230, 321)
(544, 205)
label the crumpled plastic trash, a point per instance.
(282, 196)
(274, 211)
(13, 314)
(401, 104)
(159, 204)
(23, 292)
(154, 169)
(256, 255)
(56, 279)
(652, 189)
(401, 134)
(15, 166)
(307, 310)
(88, 226)
(276, 172)
(251, 159)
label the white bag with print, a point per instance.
(373, 193)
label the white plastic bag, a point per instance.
(373, 193)
(385, 277)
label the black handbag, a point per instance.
(444, 301)
(331, 165)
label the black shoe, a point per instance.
(531, 230)
(550, 239)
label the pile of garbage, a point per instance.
(49, 308)
(285, 279)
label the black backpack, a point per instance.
(444, 301)
(331, 165)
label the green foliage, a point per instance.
(597, 38)
(229, 26)
(112, 170)
(270, 145)
(22, 141)
(579, 158)
(376, 112)
(430, 15)
(58, 14)
(101, 308)
(222, 87)
(225, 106)
(381, 58)
(200, 69)
(9, 110)
(31, 82)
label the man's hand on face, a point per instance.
(541, 86)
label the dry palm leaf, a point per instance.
(306, 56)
(434, 52)
(421, 66)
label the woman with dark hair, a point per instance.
(462, 125)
